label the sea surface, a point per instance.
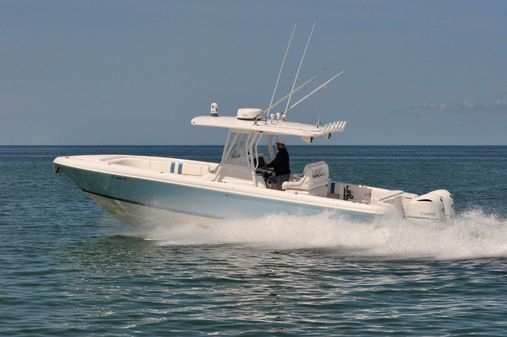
(67, 268)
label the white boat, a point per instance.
(144, 190)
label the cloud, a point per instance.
(437, 107)
(467, 110)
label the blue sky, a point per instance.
(136, 72)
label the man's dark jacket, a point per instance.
(281, 162)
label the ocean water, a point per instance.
(67, 268)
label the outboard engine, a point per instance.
(434, 206)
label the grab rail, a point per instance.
(391, 195)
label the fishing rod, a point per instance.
(323, 85)
(281, 69)
(297, 73)
(301, 86)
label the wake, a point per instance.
(473, 234)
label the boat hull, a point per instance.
(146, 202)
(148, 216)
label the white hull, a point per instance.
(148, 216)
(153, 190)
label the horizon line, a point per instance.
(209, 145)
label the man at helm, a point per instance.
(281, 164)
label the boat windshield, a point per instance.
(236, 150)
(241, 149)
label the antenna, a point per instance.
(323, 85)
(280, 71)
(297, 73)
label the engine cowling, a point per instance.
(437, 205)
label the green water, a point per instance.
(69, 269)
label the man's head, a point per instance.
(280, 144)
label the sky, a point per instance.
(136, 72)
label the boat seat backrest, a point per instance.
(317, 171)
(315, 178)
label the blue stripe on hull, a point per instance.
(190, 200)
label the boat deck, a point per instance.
(208, 171)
